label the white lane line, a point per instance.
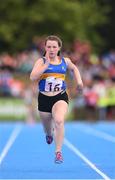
(10, 142)
(87, 161)
(98, 133)
(56, 179)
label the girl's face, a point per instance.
(52, 48)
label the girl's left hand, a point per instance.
(80, 89)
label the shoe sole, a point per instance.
(58, 162)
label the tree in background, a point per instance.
(22, 20)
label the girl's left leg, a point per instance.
(59, 112)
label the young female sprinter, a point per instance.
(50, 71)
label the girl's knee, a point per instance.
(59, 123)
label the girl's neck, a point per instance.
(55, 60)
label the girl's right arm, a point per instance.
(38, 69)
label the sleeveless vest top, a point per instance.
(53, 78)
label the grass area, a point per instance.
(12, 109)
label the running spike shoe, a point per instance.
(58, 158)
(49, 139)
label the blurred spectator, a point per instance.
(91, 98)
(8, 62)
(8, 85)
(5, 80)
(111, 100)
(30, 102)
(100, 89)
(111, 71)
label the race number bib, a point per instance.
(53, 84)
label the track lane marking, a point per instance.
(85, 159)
(97, 133)
(10, 142)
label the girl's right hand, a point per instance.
(47, 57)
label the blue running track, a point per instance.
(88, 150)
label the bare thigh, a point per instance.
(59, 111)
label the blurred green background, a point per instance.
(86, 28)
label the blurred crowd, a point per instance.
(97, 71)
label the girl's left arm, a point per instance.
(76, 74)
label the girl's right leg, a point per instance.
(46, 119)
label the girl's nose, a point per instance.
(51, 49)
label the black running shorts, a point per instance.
(45, 103)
